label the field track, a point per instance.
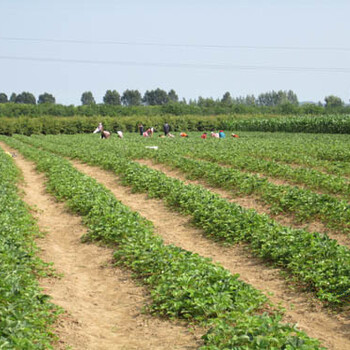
(103, 305)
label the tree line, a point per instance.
(160, 102)
(161, 97)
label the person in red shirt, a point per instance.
(204, 135)
(183, 134)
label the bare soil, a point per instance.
(301, 308)
(103, 304)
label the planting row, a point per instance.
(25, 312)
(327, 152)
(315, 259)
(246, 154)
(305, 204)
(181, 284)
(310, 178)
(257, 154)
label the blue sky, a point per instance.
(198, 48)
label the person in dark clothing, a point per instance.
(105, 134)
(166, 129)
(141, 129)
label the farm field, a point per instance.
(271, 207)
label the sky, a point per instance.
(198, 48)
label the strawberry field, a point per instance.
(301, 179)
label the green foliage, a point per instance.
(310, 257)
(227, 99)
(172, 96)
(3, 98)
(182, 284)
(156, 116)
(87, 98)
(131, 98)
(280, 97)
(306, 204)
(26, 98)
(155, 97)
(25, 312)
(13, 97)
(46, 98)
(112, 98)
(264, 333)
(333, 101)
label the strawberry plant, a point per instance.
(181, 284)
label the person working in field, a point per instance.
(150, 132)
(183, 134)
(234, 135)
(166, 129)
(146, 133)
(120, 134)
(105, 134)
(141, 129)
(214, 134)
(99, 128)
(222, 134)
(204, 135)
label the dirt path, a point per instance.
(103, 304)
(334, 331)
(252, 202)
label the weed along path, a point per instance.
(103, 305)
(174, 228)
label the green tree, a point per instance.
(13, 97)
(26, 97)
(250, 100)
(265, 99)
(87, 98)
(172, 96)
(46, 98)
(280, 97)
(206, 102)
(112, 98)
(3, 98)
(310, 108)
(288, 108)
(131, 98)
(226, 99)
(292, 98)
(155, 97)
(333, 101)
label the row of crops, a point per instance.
(303, 203)
(181, 284)
(317, 261)
(25, 312)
